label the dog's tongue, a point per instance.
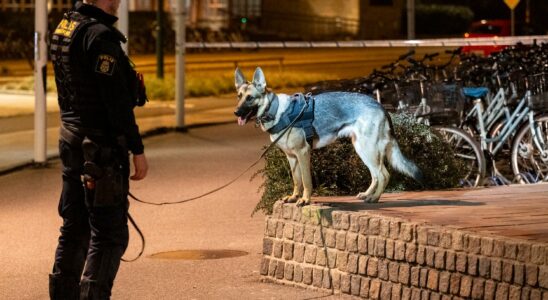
(241, 121)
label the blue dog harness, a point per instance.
(298, 102)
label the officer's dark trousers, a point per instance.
(92, 239)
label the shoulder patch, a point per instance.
(105, 64)
(66, 28)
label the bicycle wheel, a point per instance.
(528, 164)
(469, 151)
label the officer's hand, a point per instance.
(141, 167)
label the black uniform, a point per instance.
(97, 91)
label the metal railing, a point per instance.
(451, 42)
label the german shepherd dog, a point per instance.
(336, 114)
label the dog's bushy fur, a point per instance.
(336, 114)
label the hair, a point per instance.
(90, 1)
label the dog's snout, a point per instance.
(238, 112)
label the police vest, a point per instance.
(76, 90)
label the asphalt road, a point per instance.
(181, 166)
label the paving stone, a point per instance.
(461, 262)
(389, 249)
(268, 244)
(298, 273)
(433, 280)
(307, 275)
(288, 251)
(477, 288)
(510, 250)
(362, 244)
(396, 292)
(386, 290)
(383, 269)
(439, 260)
(352, 242)
(450, 258)
(421, 255)
(454, 287)
(280, 272)
(354, 223)
(371, 245)
(415, 276)
(496, 269)
(484, 267)
(310, 254)
(362, 264)
(375, 289)
(321, 257)
(407, 231)
(502, 291)
(519, 274)
(363, 222)
(423, 280)
(405, 293)
(326, 281)
(498, 248)
(466, 286)
(355, 285)
(399, 250)
(374, 226)
(277, 249)
(265, 262)
(279, 229)
(380, 247)
(433, 237)
(317, 277)
(309, 234)
(531, 274)
(514, 293)
(404, 273)
(444, 282)
(486, 246)
(372, 267)
(345, 283)
(458, 240)
(537, 254)
(364, 287)
(298, 233)
(341, 240)
(430, 253)
(393, 271)
(385, 228)
(474, 244)
(394, 229)
(490, 290)
(473, 261)
(524, 252)
(352, 266)
(332, 258)
(543, 276)
(445, 239)
(410, 253)
(289, 272)
(507, 268)
(342, 261)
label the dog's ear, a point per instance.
(258, 80)
(239, 78)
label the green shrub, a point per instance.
(215, 84)
(337, 170)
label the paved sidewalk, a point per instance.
(17, 119)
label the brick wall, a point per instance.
(372, 256)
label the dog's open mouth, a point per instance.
(243, 120)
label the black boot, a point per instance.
(63, 288)
(91, 290)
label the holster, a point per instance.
(104, 175)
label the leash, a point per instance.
(142, 239)
(212, 191)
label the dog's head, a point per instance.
(251, 96)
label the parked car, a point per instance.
(487, 28)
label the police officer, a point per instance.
(97, 91)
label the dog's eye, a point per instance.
(239, 95)
(248, 98)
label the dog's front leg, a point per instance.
(297, 179)
(303, 156)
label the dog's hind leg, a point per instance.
(371, 153)
(297, 179)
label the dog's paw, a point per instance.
(290, 199)
(303, 202)
(367, 198)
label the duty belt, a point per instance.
(75, 135)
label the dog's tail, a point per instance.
(399, 162)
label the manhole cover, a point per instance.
(199, 254)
